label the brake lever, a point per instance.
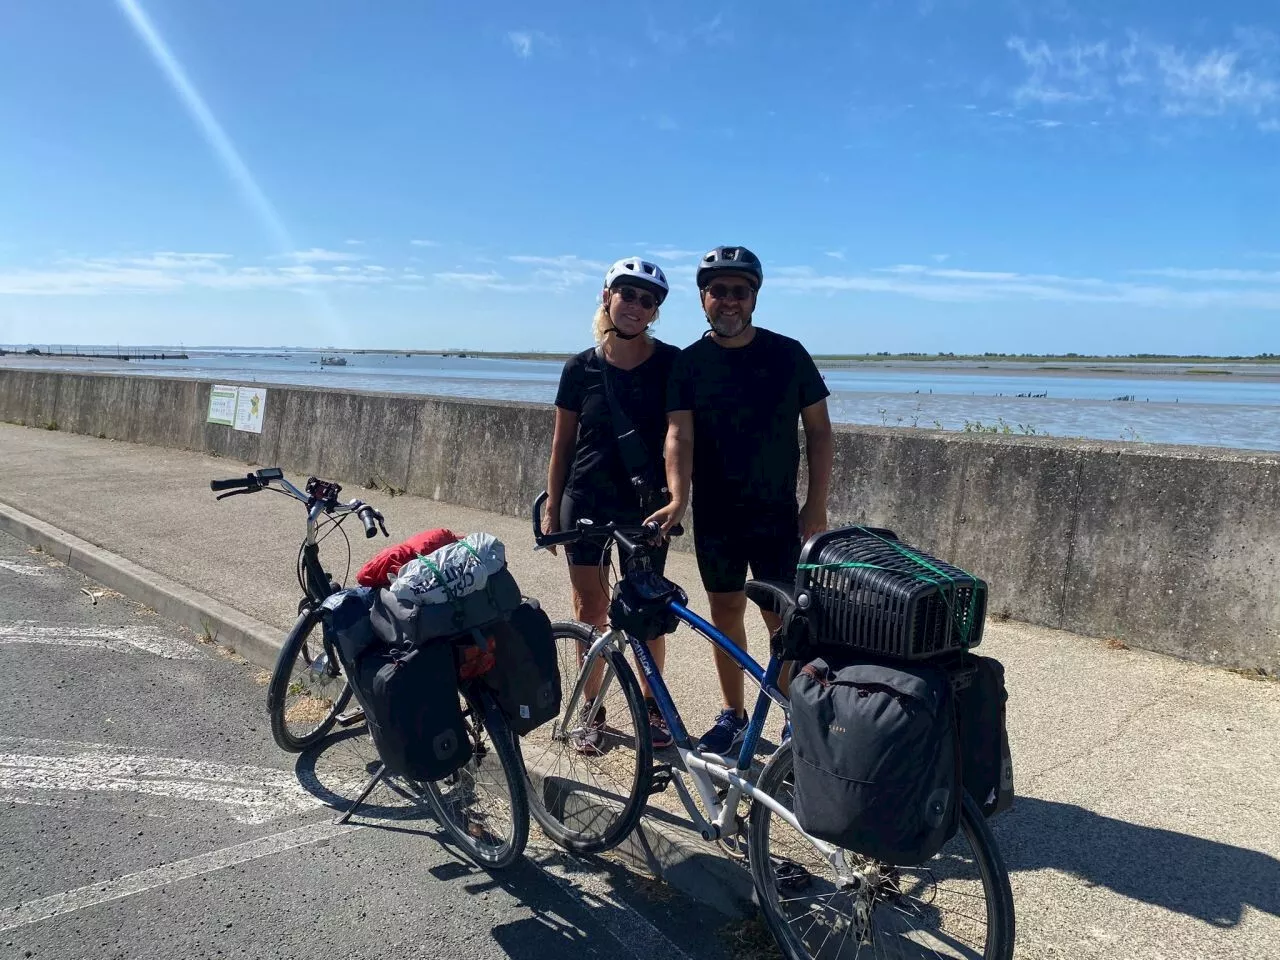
(231, 493)
(382, 524)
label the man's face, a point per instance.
(728, 301)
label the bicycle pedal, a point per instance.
(661, 778)
(349, 717)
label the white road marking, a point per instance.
(117, 639)
(252, 794)
(22, 568)
(127, 886)
(634, 933)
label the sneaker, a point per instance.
(728, 731)
(659, 732)
(588, 739)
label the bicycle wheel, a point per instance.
(484, 805)
(588, 796)
(956, 905)
(308, 689)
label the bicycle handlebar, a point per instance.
(235, 483)
(585, 528)
(320, 495)
(371, 519)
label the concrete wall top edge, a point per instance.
(1092, 446)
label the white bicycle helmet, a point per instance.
(640, 273)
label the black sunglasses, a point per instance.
(722, 291)
(631, 295)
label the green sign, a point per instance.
(222, 405)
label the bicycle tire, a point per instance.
(999, 922)
(282, 677)
(501, 740)
(552, 805)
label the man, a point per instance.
(733, 403)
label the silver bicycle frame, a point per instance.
(703, 768)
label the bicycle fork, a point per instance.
(570, 721)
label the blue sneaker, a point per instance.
(727, 733)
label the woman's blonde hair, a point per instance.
(601, 326)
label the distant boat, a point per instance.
(333, 361)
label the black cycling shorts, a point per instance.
(588, 553)
(726, 546)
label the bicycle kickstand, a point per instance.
(374, 780)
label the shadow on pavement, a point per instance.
(335, 770)
(570, 896)
(1201, 878)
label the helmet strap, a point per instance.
(623, 336)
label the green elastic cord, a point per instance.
(458, 610)
(963, 626)
(488, 583)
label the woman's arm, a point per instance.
(562, 444)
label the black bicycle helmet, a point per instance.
(729, 260)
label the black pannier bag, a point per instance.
(864, 591)
(347, 625)
(404, 625)
(525, 679)
(411, 704)
(409, 694)
(984, 738)
(877, 766)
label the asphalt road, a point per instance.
(146, 812)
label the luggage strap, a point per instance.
(962, 621)
(459, 611)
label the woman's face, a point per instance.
(631, 308)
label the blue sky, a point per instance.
(932, 175)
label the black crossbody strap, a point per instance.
(635, 457)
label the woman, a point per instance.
(587, 476)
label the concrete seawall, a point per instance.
(1168, 548)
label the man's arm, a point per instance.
(679, 457)
(818, 453)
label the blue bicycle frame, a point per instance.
(766, 678)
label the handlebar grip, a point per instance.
(538, 504)
(625, 542)
(676, 531)
(233, 483)
(370, 526)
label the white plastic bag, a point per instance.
(451, 572)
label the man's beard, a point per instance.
(729, 328)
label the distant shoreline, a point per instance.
(1253, 369)
(1209, 368)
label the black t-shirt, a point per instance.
(598, 476)
(746, 404)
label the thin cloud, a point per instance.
(1069, 74)
(1142, 76)
(835, 254)
(673, 253)
(424, 243)
(985, 286)
(1214, 275)
(355, 243)
(319, 255)
(711, 33)
(1212, 84)
(170, 272)
(567, 261)
(523, 42)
